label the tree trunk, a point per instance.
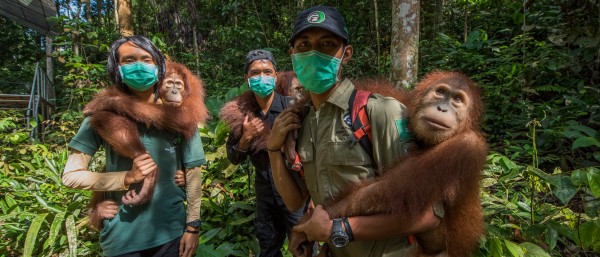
(405, 42)
(439, 16)
(99, 7)
(49, 64)
(377, 35)
(88, 10)
(124, 18)
(466, 24)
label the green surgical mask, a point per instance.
(316, 71)
(138, 75)
(262, 85)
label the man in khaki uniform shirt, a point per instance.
(331, 161)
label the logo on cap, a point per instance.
(316, 17)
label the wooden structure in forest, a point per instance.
(33, 14)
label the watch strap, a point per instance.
(194, 223)
(348, 229)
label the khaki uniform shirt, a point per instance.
(332, 161)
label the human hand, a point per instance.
(141, 167)
(179, 178)
(298, 244)
(318, 227)
(188, 244)
(107, 209)
(287, 121)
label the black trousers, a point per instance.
(170, 249)
(273, 223)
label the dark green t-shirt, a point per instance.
(163, 218)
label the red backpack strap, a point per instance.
(360, 121)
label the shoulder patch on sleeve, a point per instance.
(402, 127)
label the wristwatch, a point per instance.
(339, 238)
(194, 223)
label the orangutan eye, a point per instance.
(457, 99)
(440, 91)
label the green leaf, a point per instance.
(581, 128)
(71, 235)
(594, 181)
(242, 221)
(495, 246)
(551, 237)
(207, 251)
(506, 164)
(45, 204)
(579, 177)
(205, 237)
(514, 249)
(564, 189)
(32, 234)
(532, 250)
(585, 142)
(54, 229)
(596, 156)
(589, 233)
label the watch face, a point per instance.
(339, 240)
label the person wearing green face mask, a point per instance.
(164, 226)
(332, 161)
(250, 117)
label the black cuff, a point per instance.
(192, 231)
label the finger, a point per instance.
(145, 163)
(142, 157)
(299, 228)
(146, 169)
(181, 245)
(245, 121)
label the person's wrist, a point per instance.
(128, 178)
(273, 149)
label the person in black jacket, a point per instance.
(250, 118)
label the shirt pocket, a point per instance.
(306, 153)
(347, 154)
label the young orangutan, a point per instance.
(113, 114)
(445, 112)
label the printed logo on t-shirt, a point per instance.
(170, 149)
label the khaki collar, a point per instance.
(339, 97)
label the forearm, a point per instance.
(76, 175)
(193, 189)
(386, 226)
(285, 184)
(234, 153)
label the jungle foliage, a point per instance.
(537, 62)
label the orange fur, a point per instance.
(114, 114)
(447, 173)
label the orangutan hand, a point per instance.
(287, 121)
(179, 178)
(107, 209)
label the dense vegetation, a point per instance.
(538, 63)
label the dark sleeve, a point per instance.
(86, 140)
(235, 155)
